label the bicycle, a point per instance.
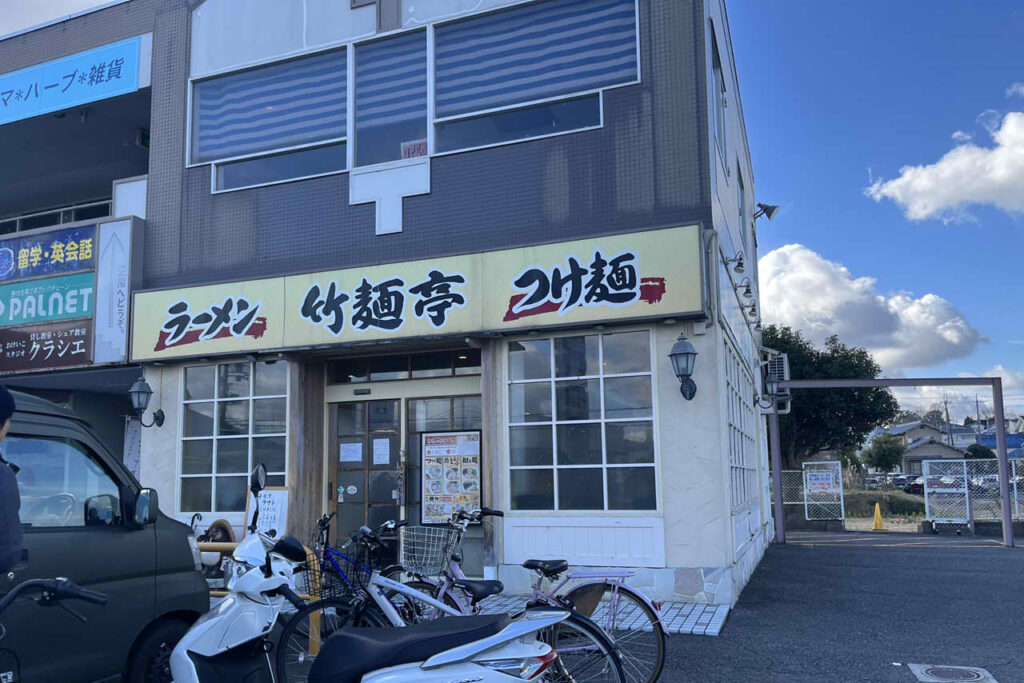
(585, 652)
(624, 613)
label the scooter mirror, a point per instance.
(258, 482)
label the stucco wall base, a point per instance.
(705, 585)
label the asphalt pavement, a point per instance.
(861, 606)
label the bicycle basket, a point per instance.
(426, 549)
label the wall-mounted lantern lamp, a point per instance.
(744, 288)
(752, 309)
(757, 325)
(736, 262)
(683, 356)
(771, 388)
(140, 394)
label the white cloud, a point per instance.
(818, 297)
(1015, 89)
(967, 401)
(961, 136)
(967, 174)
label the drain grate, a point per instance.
(933, 673)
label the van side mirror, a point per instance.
(147, 507)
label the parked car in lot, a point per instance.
(915, 486)
(85, 517)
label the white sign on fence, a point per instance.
(823, 490)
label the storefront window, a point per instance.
(417, 366)
(581, 423)
(440, 414)
(235, 417)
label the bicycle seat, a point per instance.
(548, 568)
(351, 653)
(480, 589)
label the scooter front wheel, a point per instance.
(310, 627)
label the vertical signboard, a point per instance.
(64, 297)
(451, 474)
(112, 292)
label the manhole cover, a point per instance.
(933, 673)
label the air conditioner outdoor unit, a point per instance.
(776, 364)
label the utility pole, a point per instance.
(977, 425)
(949, 427)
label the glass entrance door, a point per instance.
(366, 438)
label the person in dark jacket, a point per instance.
(10, 500)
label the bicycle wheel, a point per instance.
(415, 611)
(633, 626)
(306, 632)
(585, 653)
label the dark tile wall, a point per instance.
(646, 168)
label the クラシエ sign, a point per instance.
(88, 76)
(57, 298)
(451, 474)
(44, 347)
(640, 275)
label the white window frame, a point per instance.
(554, 422)
(183, 402)
(432, 120)
(741, 443)
(719, 95)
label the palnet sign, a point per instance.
(64, 297)
(636, 276)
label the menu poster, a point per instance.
(451, 474)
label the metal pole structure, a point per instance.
(996, 383)
(1004, 466)
(780, 512)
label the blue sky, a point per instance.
(839, 94)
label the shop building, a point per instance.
(416, 254)
(74, 131)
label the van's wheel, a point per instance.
(150, 661)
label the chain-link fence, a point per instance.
(823, 490)
(961, 491)
(792, 487)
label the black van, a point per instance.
(86, 517)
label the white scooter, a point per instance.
(233, 641)
(230, 642)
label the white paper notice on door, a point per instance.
(351, 452)
(381, 451)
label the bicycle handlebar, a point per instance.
(54, 589)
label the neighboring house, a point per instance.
(928, 449)
(962, 436)
(1017, 427)
(1013, 441)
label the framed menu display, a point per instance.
(450, 474)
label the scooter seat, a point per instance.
(548, 568)
(352, 653)
(480, 589)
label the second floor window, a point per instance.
(391, 99)
(269, 108)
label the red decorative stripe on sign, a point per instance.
(256, 331)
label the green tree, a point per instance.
(905, 416)
(828, 419)
(934, 417)
(885, 453)
(977, 450)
